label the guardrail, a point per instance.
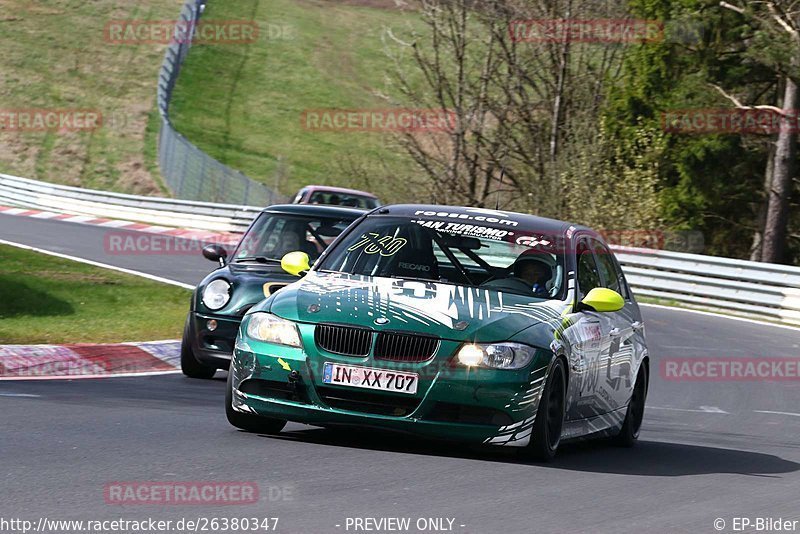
(33, 194)
(189, 172)
(764, 290)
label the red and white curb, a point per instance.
(184, 233)
(83, 360)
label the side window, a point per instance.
(612, 276)
(588, 274)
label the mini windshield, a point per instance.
(513, 260)
(272, 236)
(343, 199)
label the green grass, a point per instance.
(243, 103)
(55, 56)
(51, 300)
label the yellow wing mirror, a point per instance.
(295, 263)
(601, 299)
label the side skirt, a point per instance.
(606, 425)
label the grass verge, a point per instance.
(51, 300)
(56, 55)
(243, 103)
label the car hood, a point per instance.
(250, 284)
(444, 310)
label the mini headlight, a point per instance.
(217, 294)
(496, 355)
(272, 329)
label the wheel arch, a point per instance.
(645, 365)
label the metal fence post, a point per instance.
(221, 182)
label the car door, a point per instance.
(586, 336)
(619, 361)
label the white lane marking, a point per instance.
(778, 413)
(722, 316)
(712, 409)
(98, 264)
(81, 377)
(18, 395)
(702, 409)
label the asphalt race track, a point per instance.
(707, 450)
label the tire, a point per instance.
(629, 433)
(546, 434)
(245, 421)
(189, 364)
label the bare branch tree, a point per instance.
(521, 106)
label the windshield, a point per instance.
(515, 260)
(273, 236)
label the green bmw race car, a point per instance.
(458, 323)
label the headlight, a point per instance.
(267, 327)
(217, 294)
(496, 355)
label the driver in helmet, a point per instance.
(535, 268)
(293, 238)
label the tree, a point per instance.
(779, 29)
(708, 182)
(524, 109)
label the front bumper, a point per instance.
(214, 348)
(452, 402)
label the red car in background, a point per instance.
(336, 196)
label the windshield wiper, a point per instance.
(259, 259)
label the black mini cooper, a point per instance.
(252, 273)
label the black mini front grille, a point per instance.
(345, 340)
(405, 347)
(366, 402)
